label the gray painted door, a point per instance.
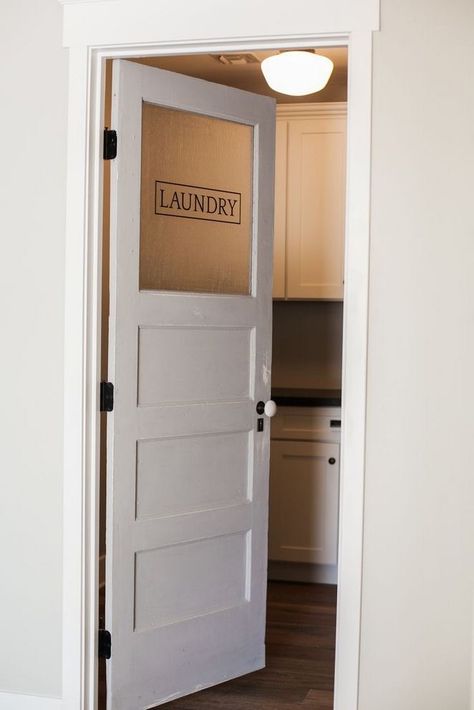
(190, 357)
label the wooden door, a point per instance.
(190, 357)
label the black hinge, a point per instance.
(110, 144)
(106, 397)
(105, 643)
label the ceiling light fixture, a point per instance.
(297, 73)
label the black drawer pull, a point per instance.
(332, 460)
(335, 423)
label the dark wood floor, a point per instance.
(301, 629)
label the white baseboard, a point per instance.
(301, 572)
(101, 571)
(18, 701)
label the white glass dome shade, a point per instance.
(297, 73)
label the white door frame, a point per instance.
(82, 336)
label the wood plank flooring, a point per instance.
(301, 630)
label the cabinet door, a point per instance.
(279, 240)
(304, 495)
(315, 207)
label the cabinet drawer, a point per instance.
(307, 424)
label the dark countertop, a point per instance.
(290, 397)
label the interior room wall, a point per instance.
(307, 344)
(416, 646)
(418, 579)
(33, 90)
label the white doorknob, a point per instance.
(270, 408)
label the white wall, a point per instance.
(419, 536)
(32, 209)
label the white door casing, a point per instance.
(96, 31)
(187, 472)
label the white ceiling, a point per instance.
(249, 76)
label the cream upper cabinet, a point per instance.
(310, 201)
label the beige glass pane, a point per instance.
(196, 203)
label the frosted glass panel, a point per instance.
(196, 203)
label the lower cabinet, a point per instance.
(304, 505)
(304, 494)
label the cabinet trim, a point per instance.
(335, 108)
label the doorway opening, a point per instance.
(306, 383)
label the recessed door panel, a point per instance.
(189, 474)
(206, 588)
(193, 364)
